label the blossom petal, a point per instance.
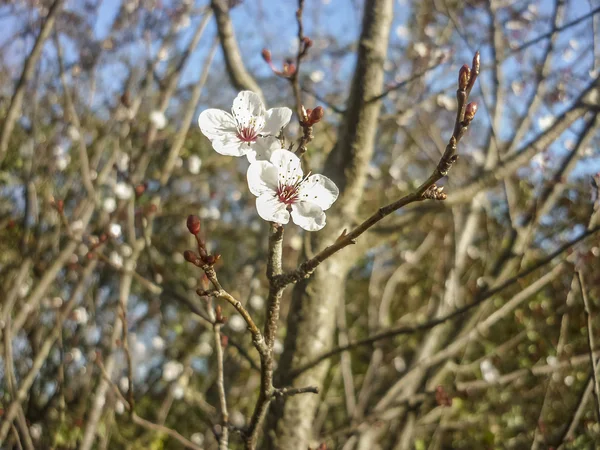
(276, 119)
(262, 149)
(308, 216)
(270, 208)
(288, 165)
(249, 111)
(320, 190)
(230, 145)
(262, 178)
(214, 123)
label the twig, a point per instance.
(141, 421)
(591, 339)
(14, 109)
(224, 435)
(464, 115)
(484, 295)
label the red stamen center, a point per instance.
(247, 134)
(287, 194)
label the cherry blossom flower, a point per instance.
(282, 189)
(242, 132)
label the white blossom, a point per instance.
(35, 431)
(178, 391)
(158, 343)
(257, 301)
(241, 132)
(123, 191)
(114, 229)
(317, 76)
(80, 315)
(109, 205)
(197, 438)
(281, 188)
(116, 259)
(194, 164)
(545, 122)
(488, 371)
(158, 119)
(236, 323)
(119, 407)
(172, 370)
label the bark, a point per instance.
(311, 321)
(239, 76)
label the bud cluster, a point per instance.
(202, 258)
(312, 116)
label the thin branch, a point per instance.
(483, 296)
(16, 102)
(591, 340)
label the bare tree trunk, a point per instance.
(311, 320)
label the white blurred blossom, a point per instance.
(116, 259)
(35, 430)
(80, 315)
(119, 407)
(545, 122)
(178, 391)
(420, 49)
(114, 229)
(197, 438)
(194, 164)
(488, 371)
(122, 190)
(158, 119)
(257, 301)
(236, 323)
(316, 76)
(171, 370)
(109, 205)
(158, 343)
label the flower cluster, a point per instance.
(275, 174)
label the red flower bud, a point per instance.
(470, 111)
(464, 75)
(307, 42)
(191, 257)
(60, 205)
(193, 224)
(266, 54)
(316, 114)
(224, 341)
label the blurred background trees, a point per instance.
(450, 324)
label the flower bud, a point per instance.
(60, 206)
(307, 42)
(190, 257)
(140, 189)
(470, 111)
(476, 62)
(317, 114)
(224, 340)
(266, 54)
(193, 224)
(464, 75)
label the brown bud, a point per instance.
(219, 313)
(464, 75)
(210, 259)
(476, 63)
(224, 340)
(193, 224)
(191, 257)
(60, 205)
(470, 111)
(103, 237)
(266, 54)
(316, 114)
(140, 189)
(289, 69)
(307, 42)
